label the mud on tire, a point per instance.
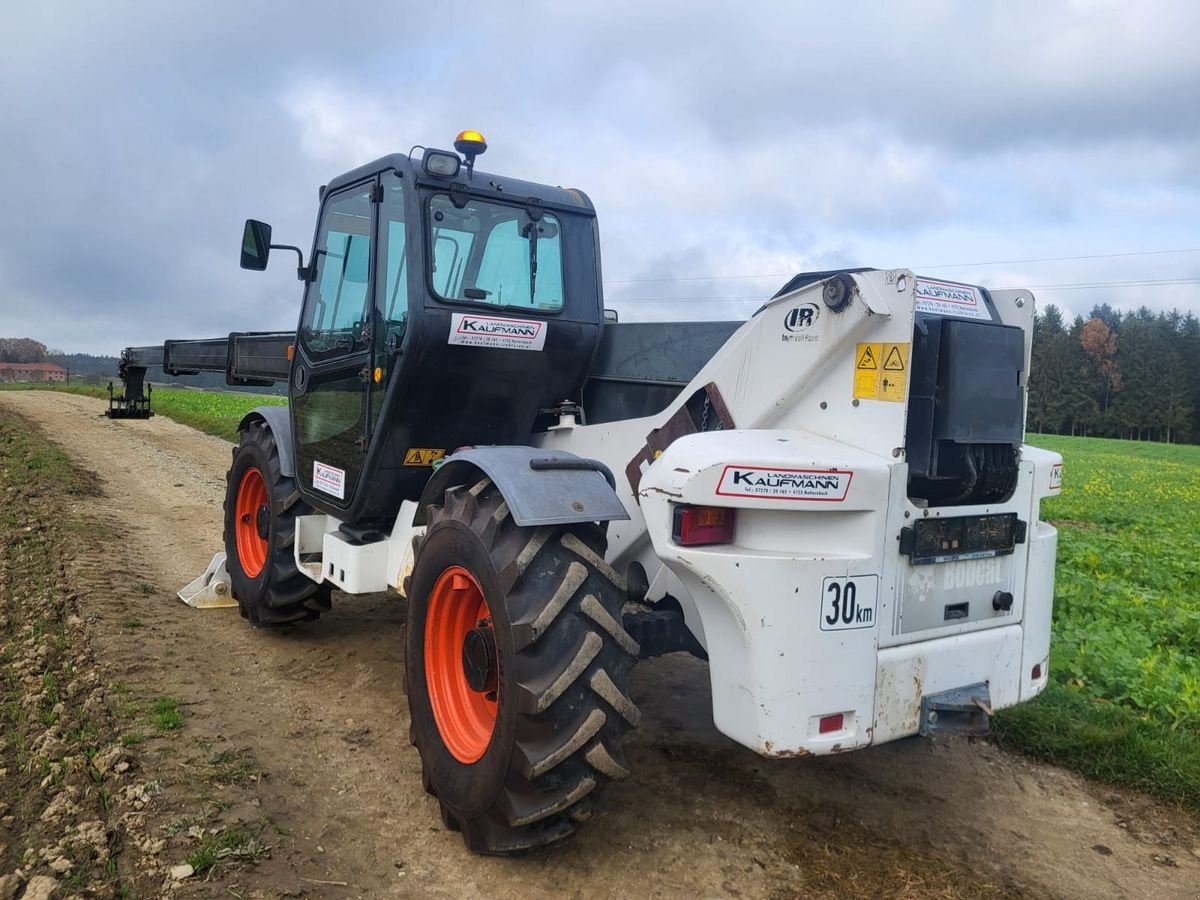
(563, 662)
(270, 590)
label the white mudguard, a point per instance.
(813, 612)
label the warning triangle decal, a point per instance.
(867, 360)
(894, 361)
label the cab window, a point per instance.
(336, 309)
(495, 254)
(392, 239)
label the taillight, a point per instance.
(696, 526)
(830, 724)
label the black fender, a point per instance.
(280, 423)
(541, 487)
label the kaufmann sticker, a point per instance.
(493, 331)
(945, 298)
(785, 484)
(1056, 477)
(329, 480)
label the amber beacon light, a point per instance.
(470, 144)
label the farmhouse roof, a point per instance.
(30, 367)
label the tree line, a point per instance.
(1132, 375)
(24, 350)
(89, 367)
(27, 350)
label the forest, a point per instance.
(1132, 375)
(93, 369)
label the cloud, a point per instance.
(714, 139)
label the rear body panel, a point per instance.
(813, 611)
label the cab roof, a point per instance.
(480, 182)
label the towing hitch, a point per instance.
(964, 711)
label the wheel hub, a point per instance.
(461, 668)
(479, 658)
(252, 522)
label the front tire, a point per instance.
(261, 506)
(518, 672)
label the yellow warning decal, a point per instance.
(892, 360)
(422, 456)
(893, 380)
(866, 371)
(881, 372)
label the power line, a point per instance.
(996, 262)
(685, 299)
(699, 278)
(1069, 286)
(1013, 262)
(1101, 284)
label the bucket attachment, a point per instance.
(134, 400)
(128, 405)
(965, 711)
(212, 589)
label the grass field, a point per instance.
(212, 412)
(1123, 703)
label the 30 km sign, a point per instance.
(849, 602)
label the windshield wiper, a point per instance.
(531, 232)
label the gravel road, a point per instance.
(322, 709)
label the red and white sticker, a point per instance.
(829, 485)
(1056, 477)
(499, 333)
(946, 298)
(329, 480)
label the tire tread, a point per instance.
(573, 659)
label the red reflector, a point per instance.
(1037, 672)
(830, 723)
(699, 525)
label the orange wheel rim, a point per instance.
(253, 516)
(464, 702)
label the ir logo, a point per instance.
(801, 317)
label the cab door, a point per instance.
(331, 384)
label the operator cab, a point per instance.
(443, 307)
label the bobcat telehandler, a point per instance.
(830, 502)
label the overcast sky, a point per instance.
(715, 140)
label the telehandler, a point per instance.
(831, 502)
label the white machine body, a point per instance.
(818, 478)
(821, 634)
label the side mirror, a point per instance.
(256, 245)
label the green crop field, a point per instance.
(209, 411)
(1123, 704)
(213, 412)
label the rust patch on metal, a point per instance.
(681, 423)
(768, 750)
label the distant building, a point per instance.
(23, 372)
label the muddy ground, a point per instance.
(292, 770)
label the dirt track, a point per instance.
(321, 707)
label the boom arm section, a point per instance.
(248, 359)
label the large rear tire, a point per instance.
(261, 506)
(517, 668)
